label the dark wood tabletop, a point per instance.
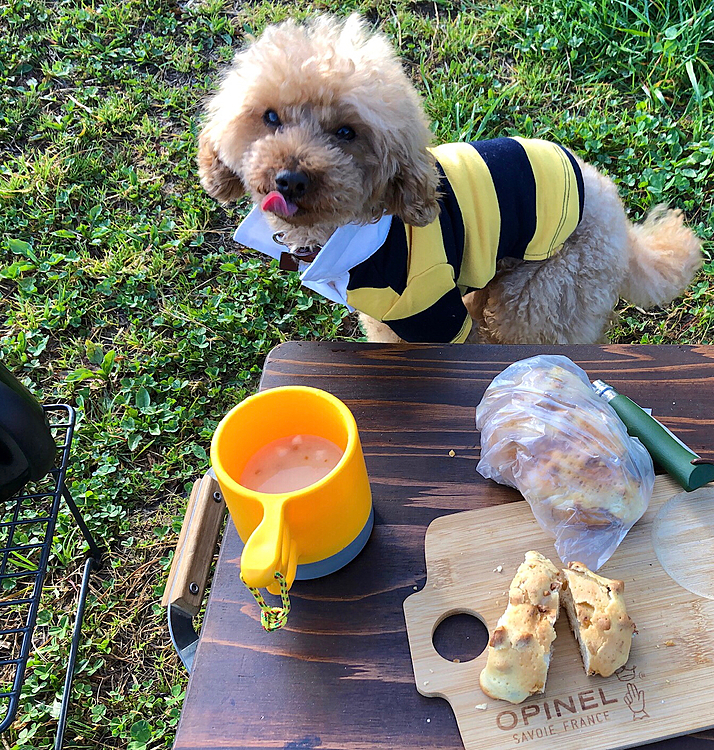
(339, 675)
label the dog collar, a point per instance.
(290, 260)
(327, 271)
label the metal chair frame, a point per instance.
(29, 513)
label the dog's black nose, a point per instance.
(292, 185)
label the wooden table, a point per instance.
(339, 674)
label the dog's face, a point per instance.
(322, 127)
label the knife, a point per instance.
(686, 467)
(192, 563)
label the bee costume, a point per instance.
(502, 198)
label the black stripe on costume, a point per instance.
(451, 223)
(579, 181)
(515, 187)
(440, 323)
(387, 267)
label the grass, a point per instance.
(122, 292)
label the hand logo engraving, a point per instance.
(635, 700)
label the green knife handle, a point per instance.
(671, 455)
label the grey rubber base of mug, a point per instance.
(335, 562)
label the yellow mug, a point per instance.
(305, 533)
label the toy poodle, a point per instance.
(508, 240)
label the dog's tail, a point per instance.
(664, 258)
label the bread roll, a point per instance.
(597, 614)
(520, 647)
(564, 448)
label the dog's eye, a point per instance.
(345, 133)
(271, 118)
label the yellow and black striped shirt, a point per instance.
(506, 197)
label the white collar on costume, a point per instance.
(328, 274)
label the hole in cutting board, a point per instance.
(461, 636)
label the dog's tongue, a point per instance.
(275, 203)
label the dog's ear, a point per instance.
(217, 179)
(412, 191)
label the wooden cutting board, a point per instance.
(666, 688)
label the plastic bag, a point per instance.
(545, 432)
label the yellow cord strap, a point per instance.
(272, 618)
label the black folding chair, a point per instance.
(27, 526)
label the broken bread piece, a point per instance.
(597, 614)
(520, 647)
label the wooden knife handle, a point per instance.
(195, 547)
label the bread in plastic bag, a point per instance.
(545, 432)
